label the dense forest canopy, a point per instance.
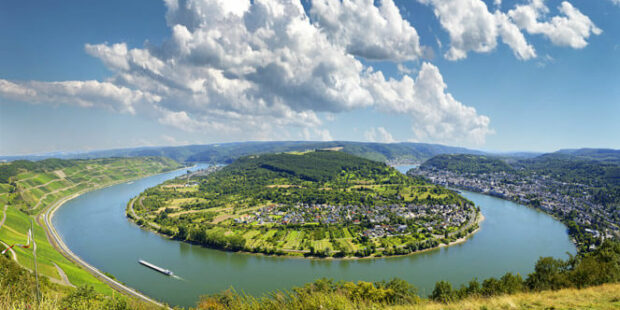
(465, 163)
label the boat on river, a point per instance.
(156, 268)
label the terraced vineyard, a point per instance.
(323, 203)
(29, 188)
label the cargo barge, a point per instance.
(156, 268)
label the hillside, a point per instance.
(29, 188)
(579, 187)
(464, 163)
(228, 152)
(322, 203)
(607, 155)
(575, 169)
(565, 167)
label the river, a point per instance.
(94, 227)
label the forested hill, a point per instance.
(573, 169)
(601, 170)
(228, 152)
(605, 155)
(465, 163)
(318, 166)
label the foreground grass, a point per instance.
(34, 187)
(606, 296)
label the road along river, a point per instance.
(94, 227)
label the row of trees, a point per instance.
(599, 267)
(595, 268)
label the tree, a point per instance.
(549, 274)
(182, 232)
(511, 284)
(236, 242)
(443, 292)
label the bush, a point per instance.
(443, 292)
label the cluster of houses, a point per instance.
(379, 231)
(550, 195)
(383, 217)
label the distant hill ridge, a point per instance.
(228, 152)
(593, 167)
(405, 152)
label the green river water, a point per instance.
(94, 227)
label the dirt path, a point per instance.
(51, 193)
(46, 184)
(3, 215)
(2, 224)
(63, 276)
(136, 217)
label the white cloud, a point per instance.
(512, 36)
(316, 134)
(366, 30)
(260, 69)
(403, 69)
(170, 140)
(544, 61)
(436, 116)
(80, 93)
(378, 134)
(473, 28)
(469, 23)
(571, 30)
(324, 134)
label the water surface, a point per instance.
(94, 227)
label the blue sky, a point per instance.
(63, 86)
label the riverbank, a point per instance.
(44, 219)
(512, 238)
(528, 205)
(154, 228)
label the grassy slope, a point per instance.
(39, 190)
(599, 297)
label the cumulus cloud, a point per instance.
(473, 28)
(80, 93)
(378, 134)
(368, 31)
(469, 23)
(436, 115)
(570, 30)
(259, 69)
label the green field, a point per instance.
(32, 187)
(313, 203)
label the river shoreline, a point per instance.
(44, 219)
(494, 250)
(148, 226)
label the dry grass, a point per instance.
(601, 297)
